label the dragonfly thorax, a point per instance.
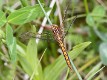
(57, 32)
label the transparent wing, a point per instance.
(44, 36)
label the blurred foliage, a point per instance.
(22, 59)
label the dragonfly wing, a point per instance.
(43, 36)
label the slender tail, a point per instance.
(66, 56)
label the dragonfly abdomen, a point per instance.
(65, 55)
(59, 38)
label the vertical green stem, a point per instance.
(73, 5)
(24, 3)
(44, 12)
(86, 6)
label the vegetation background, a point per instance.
(22, 58)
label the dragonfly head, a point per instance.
(55, 28)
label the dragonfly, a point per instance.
(59, 37)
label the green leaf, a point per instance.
(11, 43)
(59, 65)
(2, 34)
(13, 54)
(9, 35)
(90, 20)
(94, 71)
(25, 15)
(2, 18)
(98, 12)
(30, 62)
(103, 52)
(102, 36)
